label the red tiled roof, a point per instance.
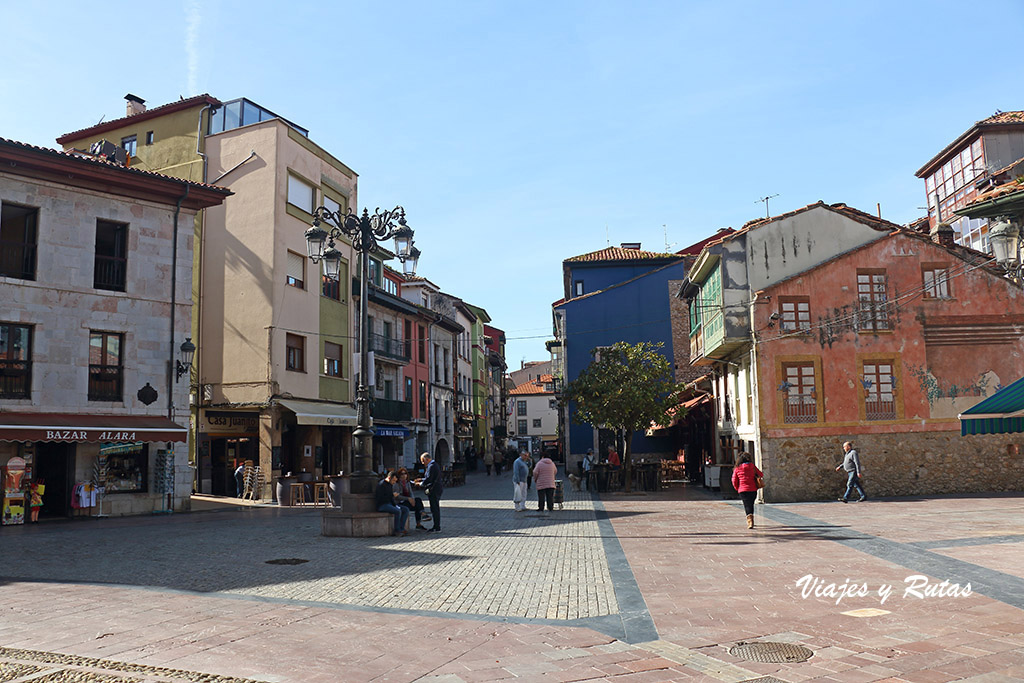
(695, 249)
(840, 208)
(619, 254)
(1000, 118)
(535, 386)
(162, 110)
(82, 158)
(999, 191)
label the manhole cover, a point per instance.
(774, 653)
(288, 560)
(764, 679)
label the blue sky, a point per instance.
(518, 134)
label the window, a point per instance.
(408, 389)
(149, 137)
(295, 349)
(936, 282)
(389, 388)
(577, 288)
(800, 402)
(335, 289)
(127, 467)
(130, 145)
(521, 407)
(331, 205)
(15, 361)
(795, 313)
(111, 256)
(421, 343)
(873, 311)
(879, 395)
(106, 372)
(390, 286)
(374, 271)
(296, 270)
(536, 424)
(386, 327)
(18, 241)
(301, 194)
(423, 397)
(332, 360)
(521, 426)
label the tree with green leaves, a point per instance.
(626, 388)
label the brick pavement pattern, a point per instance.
(671, 582)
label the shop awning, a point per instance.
(391, 431)
(88, 428)
(328, 414)
(678, 413)
(1000, 413)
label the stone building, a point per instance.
(95, 273)
(881, 338)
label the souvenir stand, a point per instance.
(14, 497)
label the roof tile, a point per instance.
(619, 254)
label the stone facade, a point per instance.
(907, 464)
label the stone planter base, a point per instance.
(338, 522)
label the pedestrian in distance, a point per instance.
(520, 471)
(613, 458)
(489, 461)
(851, 463)
(431, 483)
(745, 477)
(403, 489)
(588, 464)
(544, 473)
(386, 499)
(240, 480)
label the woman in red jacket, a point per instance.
(744, 480)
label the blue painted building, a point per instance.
(612, 295)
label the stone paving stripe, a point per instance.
(637, 623)
(1005, 588)
(965, 542)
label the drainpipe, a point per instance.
(170, 362)
(197, 360)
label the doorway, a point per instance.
(55, 465)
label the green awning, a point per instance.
(1000, 413)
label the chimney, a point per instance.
(942, 234)
(631, 245)
(136, 105)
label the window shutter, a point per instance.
(296, 267)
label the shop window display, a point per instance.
(126, 467)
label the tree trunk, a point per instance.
(627, 460)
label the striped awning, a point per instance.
(1000, 413)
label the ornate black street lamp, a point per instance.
(365, 233)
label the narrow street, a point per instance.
(654, 587)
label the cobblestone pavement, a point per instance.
(659, 587)
(490, 560)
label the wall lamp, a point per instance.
(188, 352)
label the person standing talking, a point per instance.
(851, 463)
(431, 483)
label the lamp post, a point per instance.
(365, 232)
(1004, 236)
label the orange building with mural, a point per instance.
(884, 345)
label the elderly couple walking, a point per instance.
(543, 474)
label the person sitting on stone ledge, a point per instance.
(403, 490)
(387, 501)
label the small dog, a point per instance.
(575, 481)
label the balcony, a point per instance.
(386, 347)
(391, 411)
(15, 379)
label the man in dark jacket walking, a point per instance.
(431, 483)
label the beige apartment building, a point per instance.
(273, 377)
